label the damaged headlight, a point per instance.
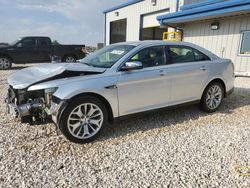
(50, 90)
(48, 94)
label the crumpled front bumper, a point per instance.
(23, 112)
(57, 108)
(12, 110)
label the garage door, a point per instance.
(149, 20)
(151, 28)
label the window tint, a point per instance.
(245, 43)
(150, 57)
(200, 56)
(43, 42)
(28, 43)
(182, 54)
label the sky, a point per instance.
(68, 21)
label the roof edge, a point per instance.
(199, 4)
(121, 6)
(202, 9)
(208, 15)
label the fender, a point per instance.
(210, 80)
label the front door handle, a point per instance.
(203, 68)
(162, 73)
(111, 87)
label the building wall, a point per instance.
(224, 42)
(133, 14)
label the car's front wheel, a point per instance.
(212, 97)
(84, 119)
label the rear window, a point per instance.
(43, 42)
(184, 54)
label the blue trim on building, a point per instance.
(205, 15)
(131, 2)
(206, 11)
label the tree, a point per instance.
(55, 43)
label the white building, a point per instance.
(221, 26)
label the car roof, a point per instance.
(146, 43)
(34, 37)
(154, 42)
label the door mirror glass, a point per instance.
(133, 65)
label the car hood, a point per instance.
(46, 72)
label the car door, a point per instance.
(188, 72)
(147, 88)
(25, 51)
(44, 48)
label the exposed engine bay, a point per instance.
(35, 106)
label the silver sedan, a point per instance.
(119, 80)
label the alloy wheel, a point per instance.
(4, 63)
(70, 59)
(85, 121)
(214, 97)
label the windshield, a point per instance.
(108, 56)
(14, 42)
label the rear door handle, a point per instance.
(203, 68)
(162, 73)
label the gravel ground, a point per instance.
(177, 148)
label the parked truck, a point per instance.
(37, 49)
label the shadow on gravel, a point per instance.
(240, 98)
(17, 67)
(171, 117)
(22, 66)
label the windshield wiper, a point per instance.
(88, 64)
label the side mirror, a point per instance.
(19, 45)
(133, 65)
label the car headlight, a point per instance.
(51, 90)
(48, 94)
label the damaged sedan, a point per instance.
(119, 80)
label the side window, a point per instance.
(150, 57)
(28, 43)
(43, 42)
(200, 56)
(182, 54)
(245, 44)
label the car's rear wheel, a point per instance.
(212, 97)
(69, 59)
(84, 119)
(5, 63)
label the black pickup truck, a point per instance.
(38, 50)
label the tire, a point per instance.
(212, 97)
(5, 63)
(69, 59)
(81, 127)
